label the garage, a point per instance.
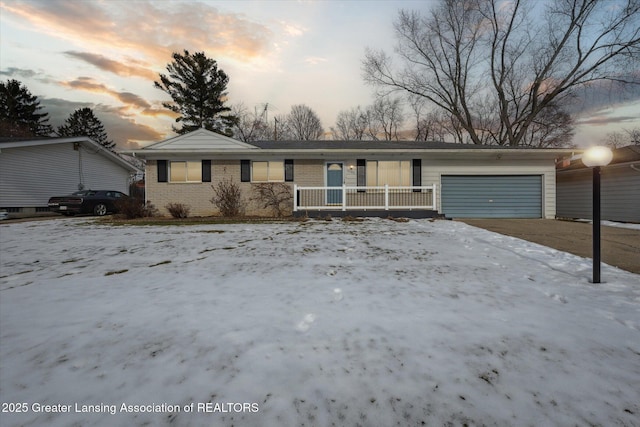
(491, 196)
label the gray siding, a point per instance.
(517, 196)
(30, 175)
(620, 194)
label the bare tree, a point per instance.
(351, 125)
(624, 138)
(384, 118)
(428, 124)
(250, 126)
(633, 135)
(303, 124)
(497, 69)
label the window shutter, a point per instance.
(206, 171)
(361, 166)
(245, 171)
(417, 174)
(163, 174)
(288, 170)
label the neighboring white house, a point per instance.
(343, 177)
(620, 188)
(32, 170)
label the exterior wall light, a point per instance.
(595, 158)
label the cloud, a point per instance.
(314, 60)
(116, 67)
(130, 100)
(18, 72)
(144, 29)
(603, 120)
(124, 131)
(598, 95)
(293, 30)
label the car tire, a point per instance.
(100, 209)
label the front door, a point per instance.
(334, 179)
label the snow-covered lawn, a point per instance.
(373, 323)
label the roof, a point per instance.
(622, 155)
(202, 142)
(200, 139)
(367, 145)
(6, 143)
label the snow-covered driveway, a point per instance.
(373, 323)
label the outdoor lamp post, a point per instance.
(594, 158)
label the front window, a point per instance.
(272, 171)
(185, 171)
(393, 173)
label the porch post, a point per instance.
(386, 197)
(295, 197)
(435, 198)
(344, 197)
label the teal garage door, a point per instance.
(492, 196)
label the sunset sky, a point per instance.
(106, 54)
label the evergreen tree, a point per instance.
(20, 114)
(83, 122)
(197, 88)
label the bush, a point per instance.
(131, 207)
(178, 210)
(227, 197)
(273, 195)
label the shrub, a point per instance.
(178, 210)
(131, 207)
(227, 197)
(273, 195)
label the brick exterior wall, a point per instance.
(198, 195)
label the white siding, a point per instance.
(202, 139)
(30, 175)
(620, 194)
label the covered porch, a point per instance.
(405, 201)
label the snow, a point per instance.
(629, 225)
(314, 323)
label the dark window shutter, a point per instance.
(417, 174)
(362, 173)
(163, 174)
(288, 170)
(245, 170)
(206, 171)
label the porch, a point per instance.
(406, 201)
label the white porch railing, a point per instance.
(364, 198)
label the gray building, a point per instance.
(620, 191)
(32, 170)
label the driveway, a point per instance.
(620, 246)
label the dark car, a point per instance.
(97, 202)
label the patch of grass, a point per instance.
(71, 260)
(160, 263)
(210, 231)
(21, 272)
(194, 221)
(398, 219)
(111, 273)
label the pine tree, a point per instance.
(197, 88)
(20, 114)
(83, 122)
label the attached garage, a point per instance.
(492, 196)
